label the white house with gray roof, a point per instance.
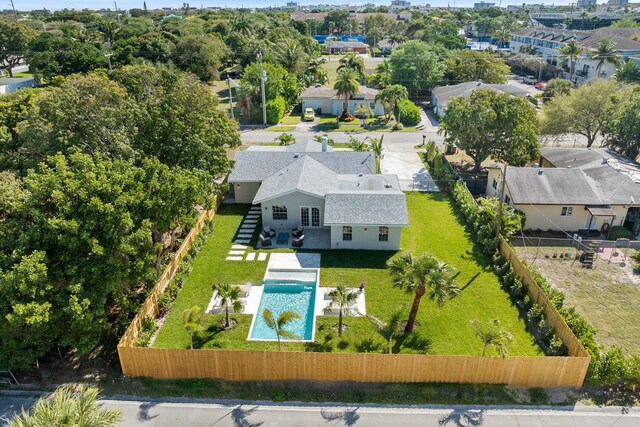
(573, 189)
(325, 100)
(336, 193)
(441, 95)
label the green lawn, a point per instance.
(443, 330)
(281, 128)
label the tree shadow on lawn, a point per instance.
(413, 341)
(355, 259)
(206, 337)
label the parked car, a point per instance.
(530, 80)
(541, 85)
(309, 115)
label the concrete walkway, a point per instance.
(403, 160)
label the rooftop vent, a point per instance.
(295, 156)
(540, 172)
(360, 174)
(387, 185)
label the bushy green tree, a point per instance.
(201, 54)
(468, 65)
(14, 39)
(275, 110)
(556, 87)
(416, 66)
(492, 124)
(409, 113)
(622, 127)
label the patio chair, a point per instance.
(296, 243)
(297, 232)
(268, 232)
(265, 241)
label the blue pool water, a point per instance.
(286, 296)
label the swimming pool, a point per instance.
(280, 296)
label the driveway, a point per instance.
(402, 159)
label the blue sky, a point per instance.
(127, 4)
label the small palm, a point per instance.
(279, 324)
(341, 297)
(191, 320)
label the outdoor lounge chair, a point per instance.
(265, 241)
(296, 243)
(268, 232)
(297, 232)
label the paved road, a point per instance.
(248, 414)
(250, 137)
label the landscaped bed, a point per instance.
(443, 330)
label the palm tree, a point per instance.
(364, 112)
(503, 35)
(69, 405)
(332, 27)
(605, 53)
(291, 56)
(376, 147)
(492, 335)
(347, 85)
(229, 296)
(279, 324)
(341, 297)
(191, 318)
(354, 61)
(628, 72)
(356, 145)
(392, 95)
(571, 52)
(419, 275)
(242, 25)
(390, 330)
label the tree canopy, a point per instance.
(415, 65)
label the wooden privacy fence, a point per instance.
(150, 306)
(240, 365)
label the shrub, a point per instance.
(275, 110)
(432, 151)
(398, 126)
(409, 113)
(619, 232)
(285, 139)
(146, 332)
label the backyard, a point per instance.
(435, 228)
(608, 296)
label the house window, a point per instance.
(507, 199)
(566, 211)
(383, 234)
(279, 212)
(495, 184)
(372, 105)
(347, 233)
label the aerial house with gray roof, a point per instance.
(335, 194)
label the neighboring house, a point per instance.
(12, 84)
(336, 193)
(326, 100)
(385, 46)
(549, 41)
(358, 17)
(337, 46)
(441, 95)
(573, 190)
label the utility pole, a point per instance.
(263, 79)
(499, 219)
(108, 56)
(230, 96)
(15, 14)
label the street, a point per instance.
(192, 413)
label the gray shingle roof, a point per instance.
(13, 80)
(356, 208)
(614, 178)
(326, 92)
(305, 175)
(299, 147)
(256, 166)
(550, 186)
(622, 37)
(444, 93)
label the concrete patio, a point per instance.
(314, 238)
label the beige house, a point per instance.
(325, 100)
(337, 194)
(573, 190)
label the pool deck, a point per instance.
(293, 260)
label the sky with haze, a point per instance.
(153, 4)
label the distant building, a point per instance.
(400, 3)
(618, 2)
(12, 84)
(584, 4)
(334, 46)
(483, 5)
(293, 5)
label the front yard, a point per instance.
(443, 330)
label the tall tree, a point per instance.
(279, 324)
(392, 95)
(628, 72)
(347, 85)
(416, 66)
(229, 297)
(422, 275)
(468, 65)
(583, 111)
(570, 53)
(376, 148)
(14, 39)
(622, 128)
(503, 127)
(70, 405)
(492, 335)
(606, 52)
(341, 297)
(202, 55)
(556, 87)
(354, 61)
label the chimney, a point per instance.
(324, 141)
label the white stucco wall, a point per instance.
(245, 191)
(366, 237)
(338, 104)
(315, 103)
(293, 202)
